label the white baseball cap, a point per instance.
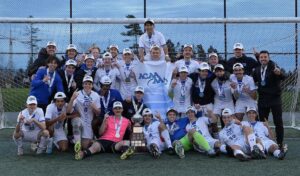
(89, 56)
(154, 46)
(71, 46)
(183, 69)
(212, 54)
(117, 104)
(87, 78)
(31, 100)
(147, 111)
(204, 66)
(251, 109)
(238, 46)
(51, 43)
(127, 51)
(105, 80)
(218, 66)
(139, 89)
(190, 108)
(107, 55)
(71, 62)
(114, 46)
(237, 66)
(226, 112)
(187, 45)
(149, 20)
(59, 95)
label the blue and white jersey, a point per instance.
(201, 126)
(259, 129)
(53, 112)
(248, 82)
(151, 131)
(37, 114)
(232, 135)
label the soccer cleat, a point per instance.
(257, 153)
(179, 150)
(218, 151)
(20, 151)
(127, 153)
(242, 157)
(79, 155)
(154, 151)
(170, 151)
(282, 154)
(77, 147)
(211, 153)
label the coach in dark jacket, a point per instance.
(239, 57)
(268, 78)
(43, 55)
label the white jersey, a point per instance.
(247, 81)
(128, 80)
(192, 65)
(82, 104)
(222, 91)
(53, 112)
(151, 131)
(201, 126)
(38, 114)
(182, 94)
(259, 129)
(232, 135)
(113, 74)
(156, 38)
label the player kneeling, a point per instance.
(263, 132)
(240, 138)
(197, 129)
(112, 132)
(153, 131)
(31, 127)
(55, 117)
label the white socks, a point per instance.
(251, 140)
(166, 136)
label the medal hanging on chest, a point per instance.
(182, 93)
(221, 89)
(105, 102)
(201, 87)
(127, 71)
(263, 76)
(51, 80)
(118, 127)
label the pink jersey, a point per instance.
(110, 132)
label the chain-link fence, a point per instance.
(20, 42)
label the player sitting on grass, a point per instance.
(240, 138)
(199, 126)
(179, 136)
(154, 131)
(31, 127)
(55, 117)
(263, 132)
(87, 103)
(112, 132)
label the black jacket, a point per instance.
(248, 62)
(79, 75)
(68, 92)
(270, 94)
(208, 90)
(40, 61)
(129, 111)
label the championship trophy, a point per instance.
(137, 139)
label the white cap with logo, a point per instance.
(238, 46)
(51, 43)
(59, 95)
(190, 108)
(204, 66)
(105, 80)
(154, 46)
(183, 69)
(251, 109)
(117, 104)
(71, 46)
(187, 45)
(149, 20)
(89, 56)
(147, 111)
(226, 112)
(87, 78)
(127, 51)
(220, 66)
(237, 66)
(114, 46)
(139, 89)
(31, 100)
(71, 62)
(107, 55)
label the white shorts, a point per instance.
(158, 142)
(219, 106)
(31, 136)
(241, 106)
(59, 135)
(86, 128)
(207, 107)
(267, 143)
(244, 147)
(211, 141)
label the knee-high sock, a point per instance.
(77, 133)
(19, 142)
(165, 134)
(43, 142)
(251, 140)
(201, 141)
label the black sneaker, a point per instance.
(154, 151)
(242, 157)
(282, 153)
(257, 153)
(170, 151)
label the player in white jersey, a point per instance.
(55, 117)
(180, 89)
(153, 131)
(114, 50)
(128, 80)
(240, 139)
(223, 96)
(87, 103)
(200, 125)
(187, 60)
(107, 70)
(264, 133)
(31, 127)
(244, 90)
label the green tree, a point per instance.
(201, 52)
(171, 48)
(134, 31)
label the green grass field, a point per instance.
(14, 98)
(142, 164)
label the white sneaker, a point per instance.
(33, 147)
(20, 151)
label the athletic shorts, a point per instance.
(241, 106)
(211, 141)
(31, 136)
(219, 106)
(107, 146)
(59, 135)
